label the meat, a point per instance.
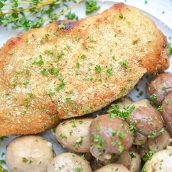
(71, 68)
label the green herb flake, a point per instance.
(153, 97)
(115, 111)
(109, 72)
(25, 160)
(121, 134)
(170, 48)
(78, 169)
(121, 148)
(98, 141)
(124, 63)
(68, 100)
(91, 6)
(63, 136)
(159, 108)
(77, 65)
(71, 16)
(50, 92)
(60, 56)
(61, 26)
(39, 61)
(98, 69)
(26, 82)
(60, 86)
(44, 72)
(83, 56)
(148, 155)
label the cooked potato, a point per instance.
(131, 160)
(160, 87)
(147, 121)
(167, 110)
(109, 135)
(74, 134)
(113, 168)
(160, 142)
(139, 139)
(160, 162)
(144, 103)
(29, 153)
(69, 162)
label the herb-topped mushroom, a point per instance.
(160, 87)
(147, 121)
(109, 135)
(167, 112)
(29, 153)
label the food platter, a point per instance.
(161, 13)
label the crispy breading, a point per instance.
(71, 68)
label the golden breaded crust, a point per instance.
(71, 68)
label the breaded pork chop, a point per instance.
(71, 68)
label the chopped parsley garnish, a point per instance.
(79, 142)
(60, 56)
(153, 134)
(121, 148)
(97, 127)
(159, 108)
(50, 92)
(26, 82)
(124, 63)
(121, 134)
(78, 169)
(98, 141)
(98, 69)
(109, 72)
(71, 16)
(153, 97)
(91, 6)
(44, 72)
(113, 132)
(115, 111)
(83, 56)
(68, 100)
(61, 26)
(148, 155)
(167, 101)
(60, 86)
(53, 70)
(63, 136)
(77, 65)
(170, 48)
(25, 160)
(39, 61)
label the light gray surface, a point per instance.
(159, 10)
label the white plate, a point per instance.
(159, 10)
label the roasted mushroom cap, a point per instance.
(109, 135)
(139, 139)
(167, 112)
(113, 168)
(131, 160)
(160, 87)
(160, 162)
(29, 154)
(69, 162)
(160, 142)
(147, 121)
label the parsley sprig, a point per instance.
(115, 111)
